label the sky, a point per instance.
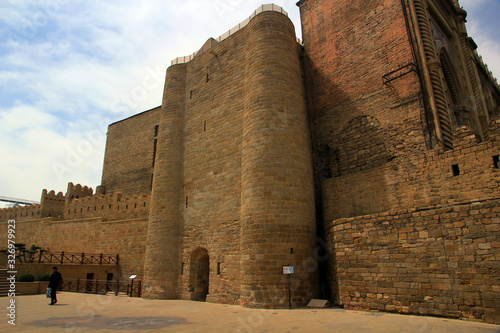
(70, 68)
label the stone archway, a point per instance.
(199, 275)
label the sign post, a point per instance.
(132, 277)
(289, 270)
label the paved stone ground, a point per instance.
(97, 313)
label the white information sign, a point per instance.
(287, 269)
(132, 276)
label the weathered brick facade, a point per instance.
(131, 173)
(367, 158)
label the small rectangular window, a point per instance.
(155, 144)
(496, 162)
(187, 202)
(182, 268)
(156, 129)
(218, 268)
(455, 170)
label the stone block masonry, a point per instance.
(226, 159)
(129, 159)
(438, 261)
(92, 235)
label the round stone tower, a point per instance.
(277, 199)
(162, 257)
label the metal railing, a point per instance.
(103, 287)
(78, 258)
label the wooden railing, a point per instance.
(102, 287)
(78, 258)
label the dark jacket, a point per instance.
(55, 280)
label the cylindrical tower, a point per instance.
(162, 258)
(277, 199)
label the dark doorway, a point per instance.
(89, 281)
(109, 282)
(199, 275)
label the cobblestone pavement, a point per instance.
(98, 313)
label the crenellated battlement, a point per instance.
(51, 205)
(52, 196)
(112, 206)
(77, 191)
(21, 213)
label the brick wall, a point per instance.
(358, 123)
(221, 240)
(437, 261)
(128, 160)
(126, 238)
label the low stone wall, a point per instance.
(70, 271)
(31, 288)
(441, 261)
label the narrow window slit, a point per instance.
(496, 161)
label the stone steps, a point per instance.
(4, 284)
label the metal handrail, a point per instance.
(96, 286)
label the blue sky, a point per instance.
(70, 68)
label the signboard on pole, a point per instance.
(287, 270)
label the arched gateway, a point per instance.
(199, 274)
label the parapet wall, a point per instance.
(21, 213)
(114, 206)
(78, 191)
(51, 205)
(437, 261)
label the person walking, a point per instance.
(54, 283)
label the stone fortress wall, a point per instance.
(229, 171)
(131, 173)
(406, 156)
